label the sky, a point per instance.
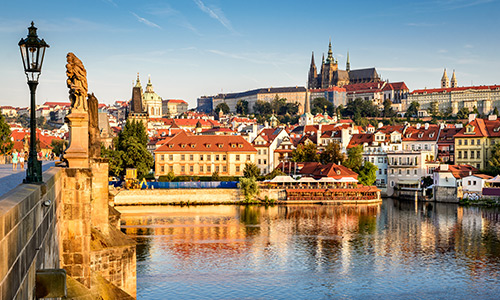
(191, 48)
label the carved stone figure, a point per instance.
(94, 140)
(77, 82)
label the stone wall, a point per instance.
(446, 194)
(170, 196)
(28, 234)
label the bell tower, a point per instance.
(445, 82)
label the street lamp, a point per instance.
(32, 53)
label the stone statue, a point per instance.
(94, 133)
(77, 82)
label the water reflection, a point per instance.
(395, 250)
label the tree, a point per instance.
(319, 105)
(132, 149)
(6, 143)
(494, 162)
(262, 107)
(251, 170)
(58, 146)
(222, 107)
(305, 153)
(274, 173)
(332, 154)
(368, 174)
(115, 160)
(358, 108)
(388, 112)
(495, 111)
(249, 188)
(354, 159)
(242, 107)
(215, 176)
(463, 113)
(434, 109)
(412, 111)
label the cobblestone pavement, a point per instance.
(9, 178)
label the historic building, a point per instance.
(174, 107)
(451, 97)
(295, 94)
(144, 104)
(330, 74)
(201, 155)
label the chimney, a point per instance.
(418, 125)
(492, 117)
(318, 137)
(426, 126)
(444, 167)
(472, 117)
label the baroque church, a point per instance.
(147, 102)
(330, 75)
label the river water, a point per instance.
(396, 250)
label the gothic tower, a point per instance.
(329, 68)
(136, 103)
(348, 64)
(453, 82)
(313, 75)
(445, 82)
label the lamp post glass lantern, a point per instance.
(32, 52)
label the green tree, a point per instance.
(354, 159)
(319, 105)
(447, 113)
(263, 107)
(463, 113)
(132, 149)
(222, 107)
(305, 153)
(495, 111)
(434, 109)
(476, 111)
(251, 170)
(332, 154)
(368, 174)
(215, 176)
(115, 161)
(58, 146)
(359, 108)
(388, 112)
(242, 107)
(412, 111)
(249, 188)
(494, 162)
(274, 173)
(6, 143)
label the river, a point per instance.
(396, 250)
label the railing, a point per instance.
(194, 185)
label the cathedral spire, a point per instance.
(330, 58)
(348, 64)
(312, 60)
(149, 86)
(445, 82)
(138, 81)
(453, 82)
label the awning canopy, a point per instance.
(495, 179)
(283, 178)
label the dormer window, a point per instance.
(221, 145)
(208, 145)
(233, 145)
(240, 145)
(469, 129)
(193, 145)
(420, 135)
(183, 145)
(170, 146)
(431, 135)
(408, 135)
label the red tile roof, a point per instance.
(360, 139)
(183, 142)
(458, 171)
(463, 88)
(421, 134)
(66, 104)
(329, 170)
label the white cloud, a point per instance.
(146, 22)
(215, 13)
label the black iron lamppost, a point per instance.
(32, 53)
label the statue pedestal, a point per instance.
(77, 153)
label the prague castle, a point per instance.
(330, 75)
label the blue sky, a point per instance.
(202, 47)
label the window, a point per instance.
(237, 157)
(265, 161)
(385, 171)
(216, 157)
(392, 183)
(472, 154)
(191, 156)
(249, 157)
(468, 182)
(217, 169)
(415, 172)
(170, 157)
(459, 154)
(408, 172)
(380, 171)
(209, 169)
(474, 182)
(170, 168)
(209, 157)
(191, 169)
(201, 156)
(224, 169)
(478, 142)
(237, 169)
(460, 142)
(183, 157)
(465, 154)
(162, 169)
(224, 157)
(399, 171)
(183, 169)
(258, 152)
(201, 169)
(258, 161)
(466, 142)
(162, 157)
(472, 142)
(264, 151)
(478, 154)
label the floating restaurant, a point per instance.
(327, 184)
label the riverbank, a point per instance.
(218, 197)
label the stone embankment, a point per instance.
(177, 196)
